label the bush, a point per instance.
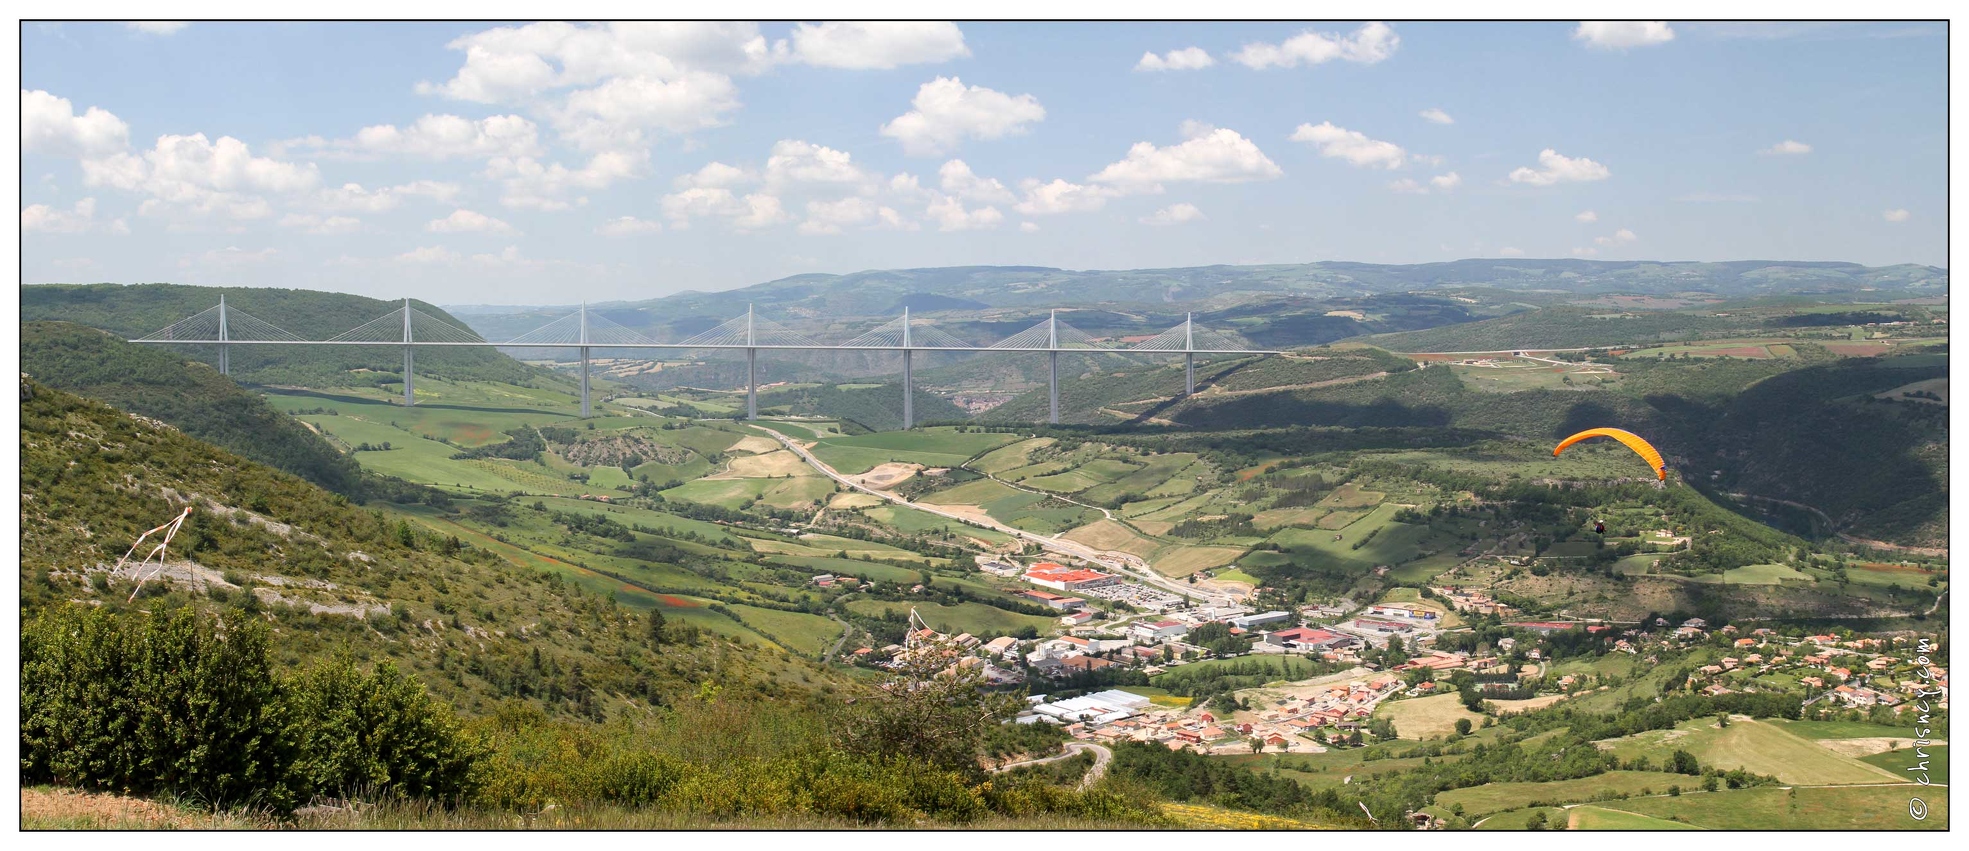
(188, 704)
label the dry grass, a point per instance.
(1427, 717)
(768, 465)
(66, 809)
(1109, 535)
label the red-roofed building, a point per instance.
(1068, 579)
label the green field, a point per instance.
(1278, 667)
(1901, 760)
(978, 619)
(1754, 746)
(1496, 797)
(798, 492)
(1393, 543)
(798, 631)
(1010, 457)
(1817, 730)
(1802, 808)
(1602, 818)
(937, 447)
(1515, 819)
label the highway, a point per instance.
(1126, 564)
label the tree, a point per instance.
(1683, 762)
(1536, 822)
(655, 629)
(931, 710)
(1463, 726)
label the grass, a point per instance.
(1803, 808)
(1497, 797)
(1601, 818)
(798, 631)
(1010, 457)
(1818, 730)
(1426, 717)
(1899, 761)
(1754, 746)
(1515, 819)
(1109, 535)
(1393, 543)
(975, 618)
(929, 447)
(1280, 667)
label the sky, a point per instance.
(547, 163)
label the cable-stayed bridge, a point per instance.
(409, 328)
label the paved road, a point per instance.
(1127, 564)
(1102, 756)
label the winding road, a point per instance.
(1127, 564)
(1102, 756)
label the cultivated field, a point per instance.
(1426, 717)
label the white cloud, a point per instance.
(1175, 214)
(796, 161)
(193, 178)
(1619, 237)
(1059, 196)
(753, 211)
(829, 217)
(320, 225)
(894, 220)
(1787, 147)
(1619, 35)
(231, 256)
(1897, 215)
(622, 112)
(1186, 59)
(49, 125)
(512, 64)
(1441, 183)
(436, 137)
(432, 254)
(1586, 216)
(1559, 169)
(1218, 156)
(155, 27)
(1350, 145)
(715, 175)
(41, 218)
(628, 226)
(1508, 251)
(1369, 44)
(946, 112)
(1436, 116)
(1028, 227)
(352, 197)
(951, 216)
(958, 180)
(467, 221)
(877, 44)
(527, 183)
(1716, 198)
(1585, 252)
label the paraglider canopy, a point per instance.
(1633, 441)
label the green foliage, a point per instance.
(158, 383)
(190, 705)
(139, 309)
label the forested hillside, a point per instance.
(188, 395)
(333, 577)
(138, 309)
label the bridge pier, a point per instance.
(225, 348)
(409, 395)
(751, 384)
(908, 394)
(1053, 386)
(585, 411)
(1189, 374)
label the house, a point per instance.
(1303, 638)
(1001, 645)
(1378, 625)
(1163, 630)
(1086, 663)
(1054, 601)
(824, 580)
(1249, 621)
(1078, 618)
(1068, 579)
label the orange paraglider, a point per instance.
(1633, 441)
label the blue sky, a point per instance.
(508, 163)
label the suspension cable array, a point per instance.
(408, 327)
